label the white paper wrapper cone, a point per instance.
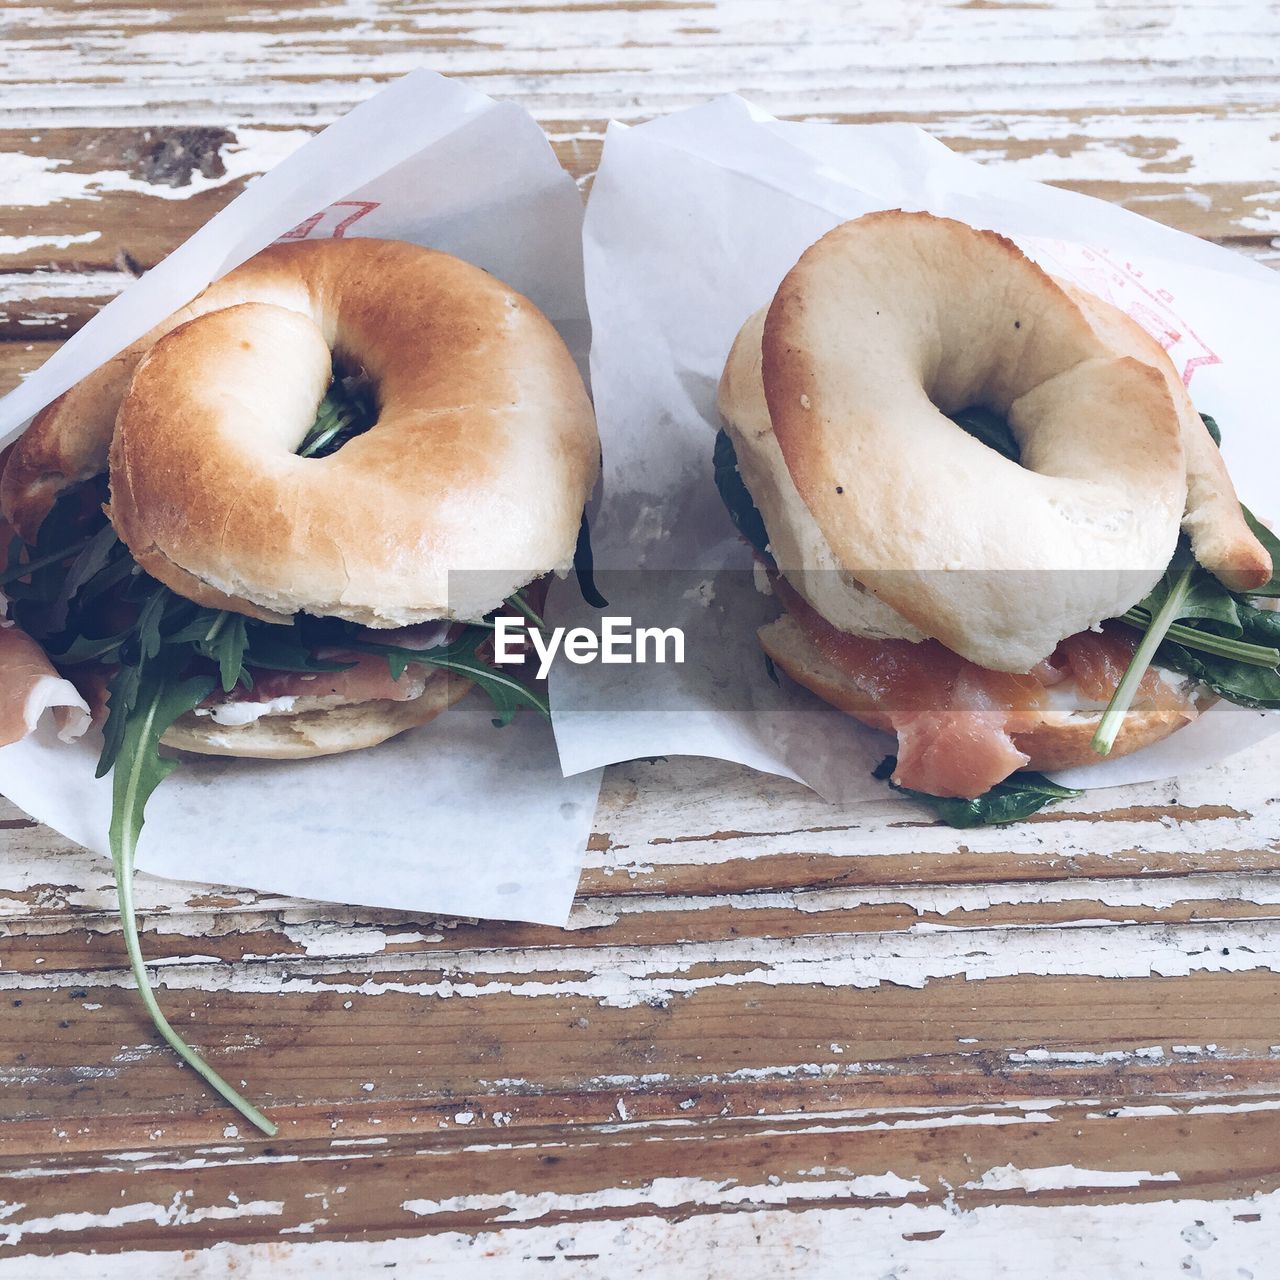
(693, 221)
(456, 817)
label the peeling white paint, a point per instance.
(24, 244)
(1137, 1241)
(1084, 1057)
(177, 1212)
(624, 977)
(667, 1193)
(30, 181)
(1064, 1177)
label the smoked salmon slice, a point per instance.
(956, 722)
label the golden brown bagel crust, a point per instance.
(1220, 538)
(323, 732)
(1061, 741)
(889, 323)
(68, 440)
(482, 458)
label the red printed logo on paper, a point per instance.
(1124, 286)
(332, 223)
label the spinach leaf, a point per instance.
(1205, 598)
(584, 567)
(1260, 531)
(1017, 797)
(1242, 683)
(737, 498)
(991, 429)
(1272, 545)
(1193, 624)
(984, 425)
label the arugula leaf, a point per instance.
(225, 643)
(346, 411)
(277, 648)
(521, 605)
(90, 560)
(1017, 797)
(1211, 426)
(122, 694)
(507, 693)
(161, 698)
(736, 496)
(88, 648)
(71, 591)
(1261, 626)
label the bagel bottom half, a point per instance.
(322, 732)
(1061, 740)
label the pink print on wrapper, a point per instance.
(331, 223)
(1124, 286)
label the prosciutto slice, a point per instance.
(30, 687)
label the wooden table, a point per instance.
(780, 1037)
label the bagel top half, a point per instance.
(470, 483)
(895, 523)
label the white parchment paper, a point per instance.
(456, 817)
(693, 221)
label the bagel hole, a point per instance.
(349, 409)
(991, 428)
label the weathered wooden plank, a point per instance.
(711, 833)
(562, 1034)
(814, 54)
(77, 202)
(1233, 1238)
(157, 127)
(775, 1024)
(1044, 1153)
(19, 358)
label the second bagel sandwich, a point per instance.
(996, 523)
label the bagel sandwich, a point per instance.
(307, 488)
(278, 525)
(995, 522)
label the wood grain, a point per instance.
(777, 1034)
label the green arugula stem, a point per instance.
(527, 609)
(218, 623)
(124, 896)
(1113, 717)
(491, 676)
(335, 415)
(1255, 655)
(22, 570)
(136, 774)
